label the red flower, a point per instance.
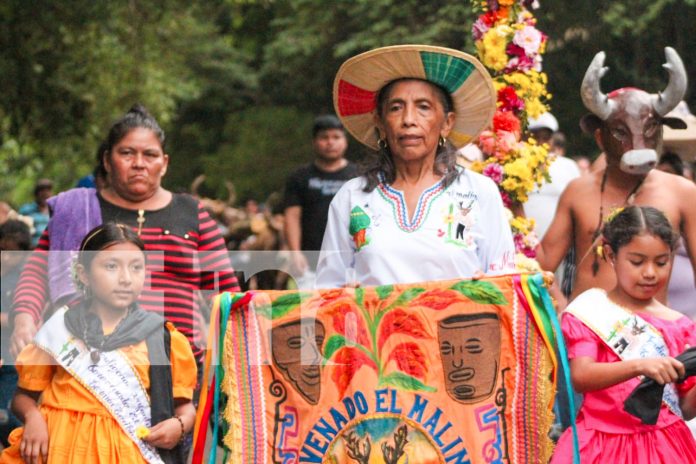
(506, 121)
(490, 18)
(516, 50)
(509, 99)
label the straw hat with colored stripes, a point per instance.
(359, 80)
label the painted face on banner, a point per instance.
(296, 348)
(470, 353)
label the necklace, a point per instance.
(140, 220)
(95, 352)
(628, 201)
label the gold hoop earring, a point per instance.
(441, 142)
(382, 144)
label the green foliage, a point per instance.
(235, 83)
(405, 382)
(481, 292)
(260, 147)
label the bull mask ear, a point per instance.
(590, 123)
(674, 123)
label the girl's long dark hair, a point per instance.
(638, 220)
(104, 236)
(379, 166)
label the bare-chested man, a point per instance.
(627, 126)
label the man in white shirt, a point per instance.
(542, 203)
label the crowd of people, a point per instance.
(88, 294)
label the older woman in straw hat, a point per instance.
(414, 215)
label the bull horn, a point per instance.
(666, 101)
(231, 193)
(592, 96)
(195, 185)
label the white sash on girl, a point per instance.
(625, 333)
(113, 380)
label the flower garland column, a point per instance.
(510, 46)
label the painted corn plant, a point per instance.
(365, 323)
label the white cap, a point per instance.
(545, 121)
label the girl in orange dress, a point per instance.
(103, 380)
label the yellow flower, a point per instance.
(506, 2)
(492, 48)
(518, 168)
(141, 432)
(613, 213)
(524, 263)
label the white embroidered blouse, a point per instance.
(454, 232)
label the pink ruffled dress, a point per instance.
(607, 433)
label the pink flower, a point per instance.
(479, 29)
(528, 38)
(507, 141)
(487, 142)
(529, 252)
(519, 60)
(507, 201)
(495, 172)
(519, 63)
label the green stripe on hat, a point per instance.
(446, 71)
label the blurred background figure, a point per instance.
(468, 154)
(584, 164)
(671, 163)
(15, 238)
(542, 203)
(38, 209)
(681, 142)
(679, 154)
(310, 189)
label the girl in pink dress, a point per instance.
(616, 337)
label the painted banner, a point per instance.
(439, 372)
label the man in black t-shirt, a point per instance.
(310, 189)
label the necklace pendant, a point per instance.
(140, 220)
(94, 356)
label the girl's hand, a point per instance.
(165, 435)
(34, 445)
(662, 370)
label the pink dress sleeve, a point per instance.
(580, 340)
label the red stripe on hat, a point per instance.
(354, 100)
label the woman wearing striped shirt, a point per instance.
(186, 250)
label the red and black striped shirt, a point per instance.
(185, 254)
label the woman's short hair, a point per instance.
(326, 122)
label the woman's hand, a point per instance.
(34, 445)
(661, 370)
(23, 333)
(478, 275)
(166, 434)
